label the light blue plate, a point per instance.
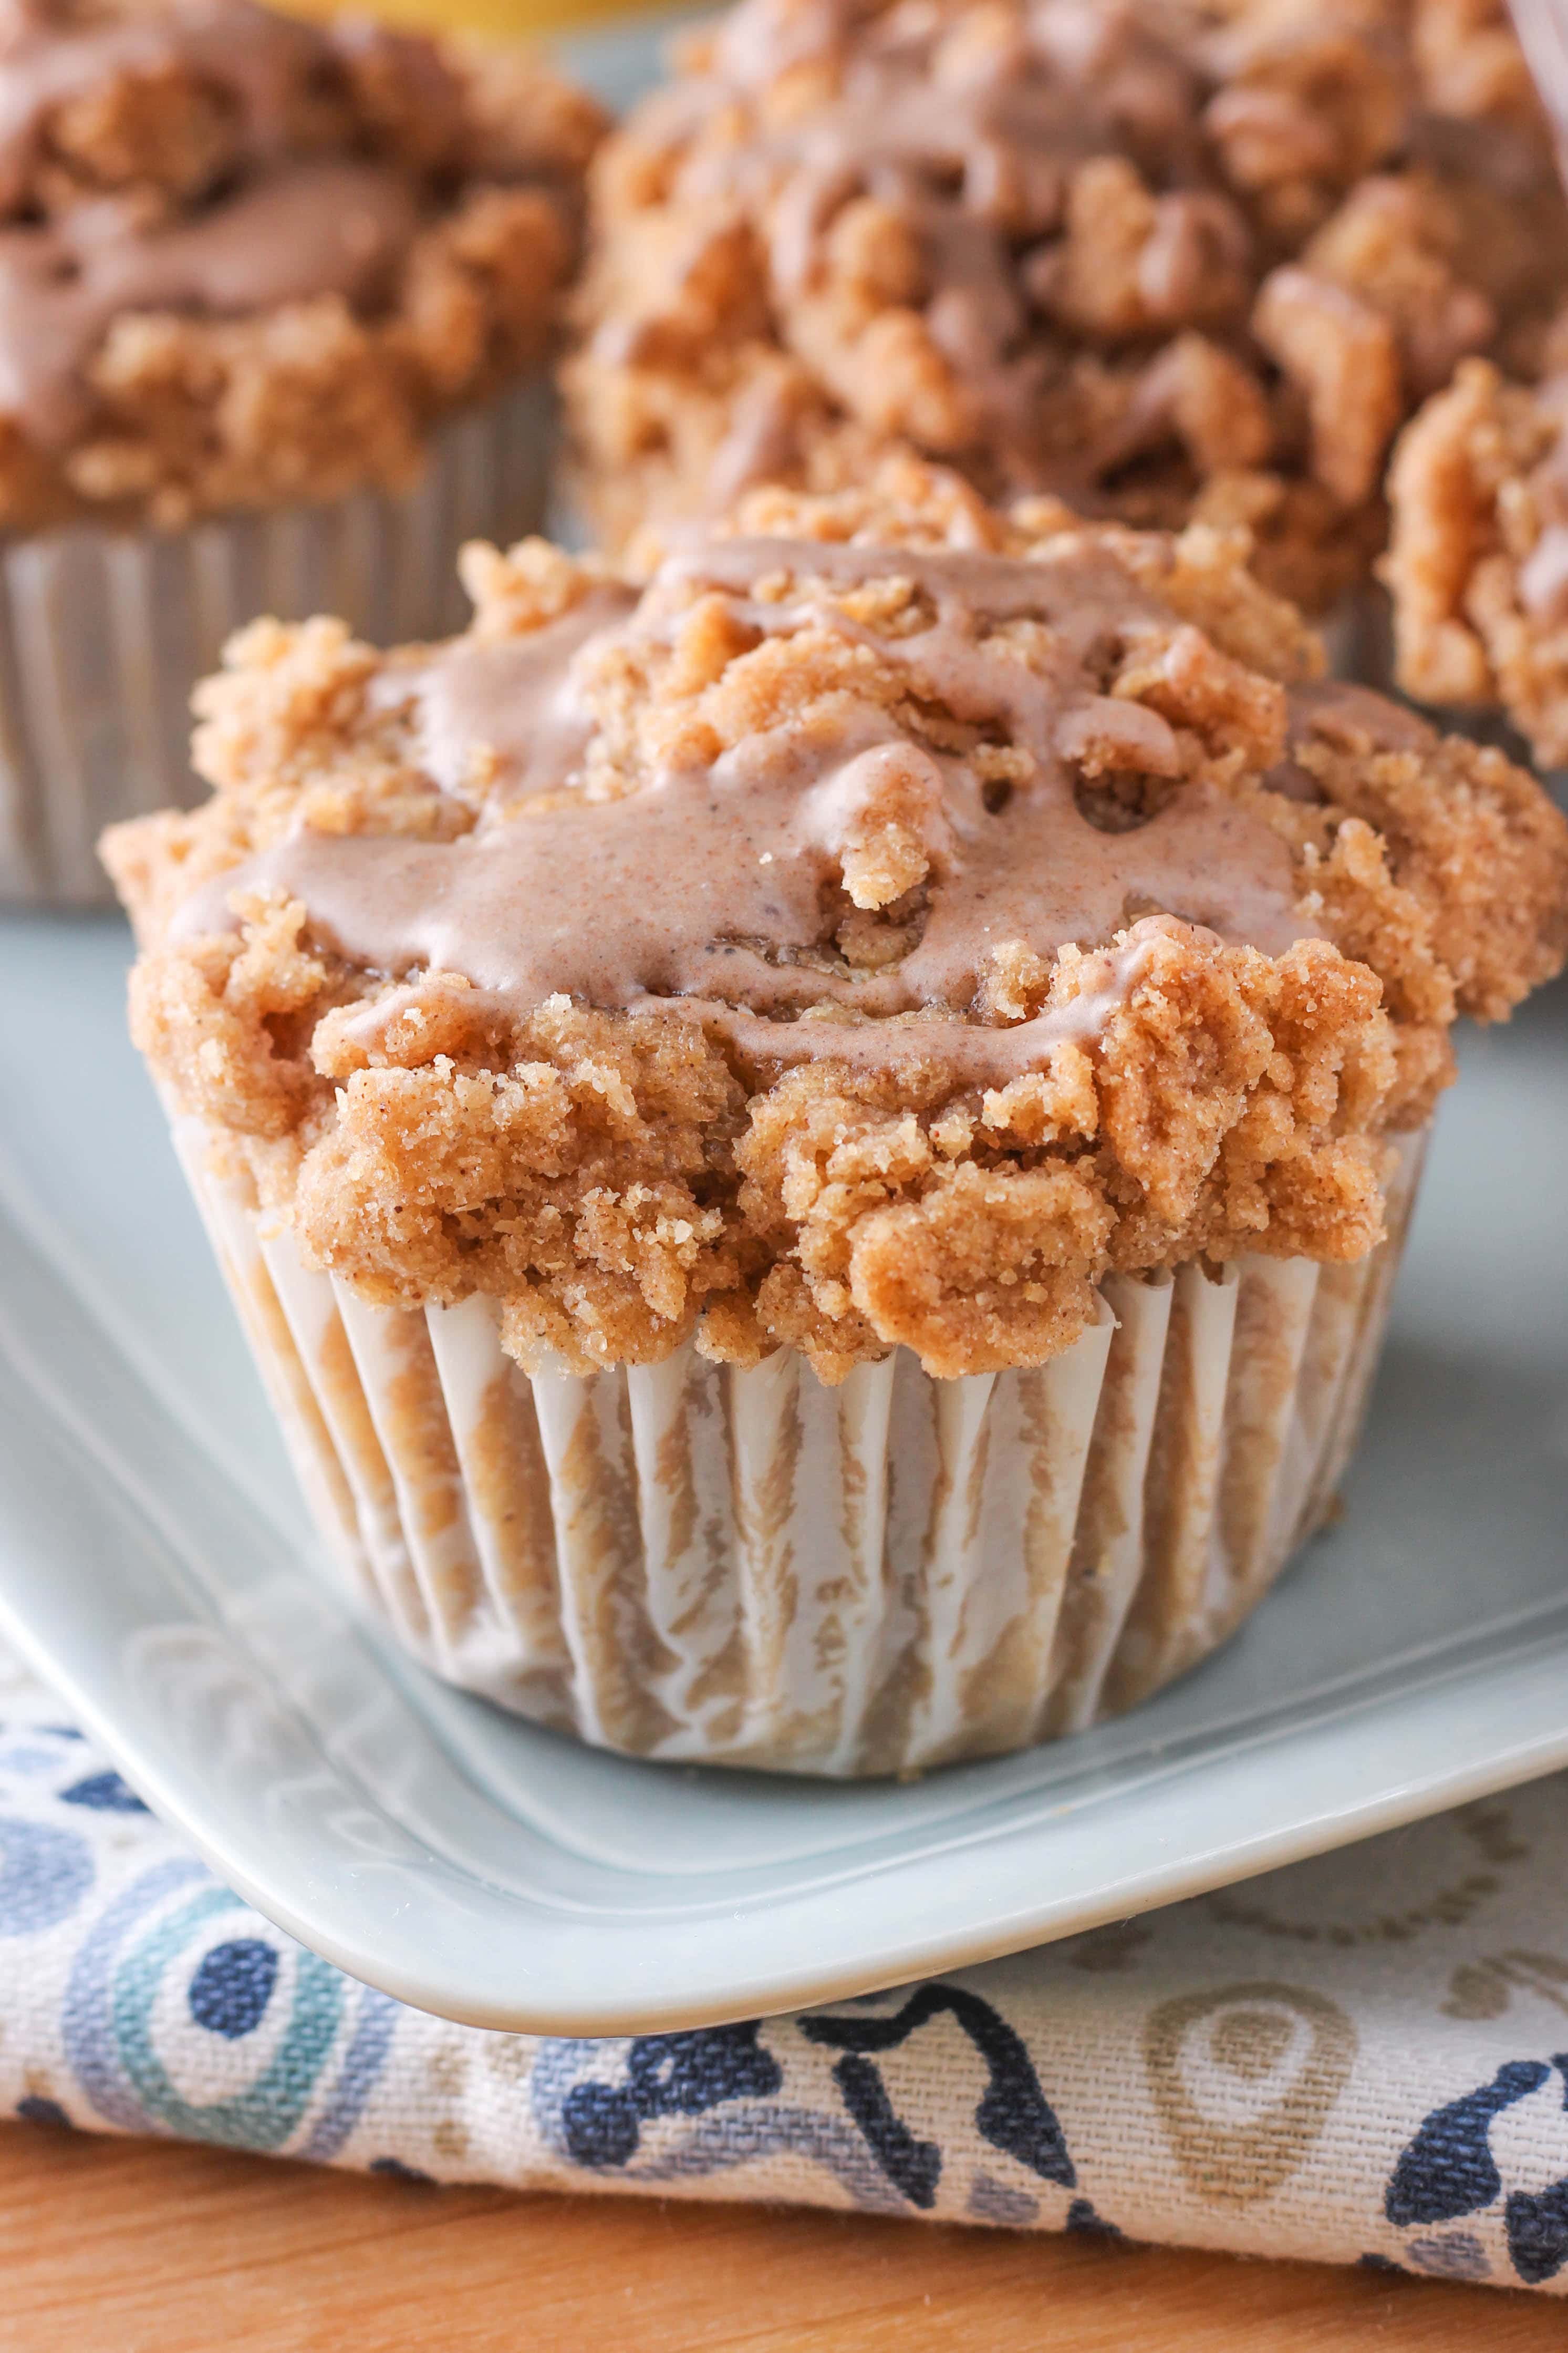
(155, 1563)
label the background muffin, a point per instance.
(248, 265)
(1174, 262)
(816, 1156)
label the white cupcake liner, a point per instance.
(103, 633)
(701, 1563)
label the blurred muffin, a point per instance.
(248, 267)
(815, 1156)
(1170, 263)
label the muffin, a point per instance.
(815, 1154)
(274, 302)
(1477, 556)
(1175, 263)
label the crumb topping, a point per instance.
(1168, 263)
(244, 257)
(1477, 556)
(897, 914)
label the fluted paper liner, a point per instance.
(698, 1562)
(103, 633)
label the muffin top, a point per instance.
(893, 916)
(244, 258)
(1478, 557)
(1164, 261)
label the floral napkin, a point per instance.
(1362, 2060)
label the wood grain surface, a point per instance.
(112, 2247)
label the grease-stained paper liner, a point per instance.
(103, 633)
(692, 1561)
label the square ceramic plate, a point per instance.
(154, 1562)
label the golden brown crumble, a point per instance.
(619, 1180)
(193, 408)
(1166, 262)
(1478, 557)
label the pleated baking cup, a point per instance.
(103, 633)
(701, 1563)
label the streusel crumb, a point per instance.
(897, 915)
(1167, 263)
(1478, 557)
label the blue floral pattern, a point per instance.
(1157, 2079)
(1451, 2169)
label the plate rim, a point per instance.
(800, 1986)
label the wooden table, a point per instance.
(112, 2247)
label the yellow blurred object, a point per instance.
(491, 19)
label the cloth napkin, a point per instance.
(1363, 2059)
